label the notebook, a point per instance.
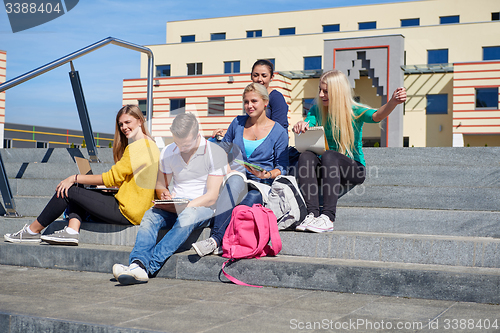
(313, 139)
(84, 168)
(172, 201)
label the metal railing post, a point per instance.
(8, 198)
(83, 113)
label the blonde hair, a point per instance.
(120, 141)
(257, 88)
(339, 111)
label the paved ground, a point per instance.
(52, 300)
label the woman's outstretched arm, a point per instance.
(398, 97)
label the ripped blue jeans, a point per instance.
(153, 255)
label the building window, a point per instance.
(218, 36)
(491, 53)
(187, 39)
(406, 141)
(312, 63)
(162, 70)
(487, 98)
(437, 104)
(254, 33)
(7, 143)
(307, 103)
(437, 56)
(216, 106)
(495, 16)
(287, 31)
(410, 22)
(41, 144)
(331, 27)
(177, 106)
(367, 25)
(231, 67)
(195, 68)
(449, 19)
(143, 106)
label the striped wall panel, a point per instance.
(467, 117)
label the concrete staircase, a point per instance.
(425, 224)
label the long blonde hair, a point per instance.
(120, 141)
(339, 111)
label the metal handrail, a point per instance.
(64, 60)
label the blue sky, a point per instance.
(48, 99)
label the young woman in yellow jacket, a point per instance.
(134, 173)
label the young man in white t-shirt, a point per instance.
(191, 168)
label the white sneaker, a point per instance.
(308, 219)
(320, 224)
(133, 275)
(118, 269)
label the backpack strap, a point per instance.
(274, 235)
(261, 219)
(233, 279)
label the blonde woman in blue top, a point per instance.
(277, 109)
(261, 141)
(343, 165)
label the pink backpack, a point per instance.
(248, 234)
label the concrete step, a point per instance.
(88, 302)
(380, 220)
(343, 275)
(433, 156)
(31, 196)
(450, 198)
(419, 221)
(427, 178)
(33, 187)
(434, 176)
(31, 206)
(52, 155)
(37, 170)
(95, 233)
(447, 250)
(389, 157)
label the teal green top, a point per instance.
(357, 124)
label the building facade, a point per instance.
(450, 67)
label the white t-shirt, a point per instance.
(189, 180)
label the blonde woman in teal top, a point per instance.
(343, 165)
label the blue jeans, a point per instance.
(153, 255)
(229, 197)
